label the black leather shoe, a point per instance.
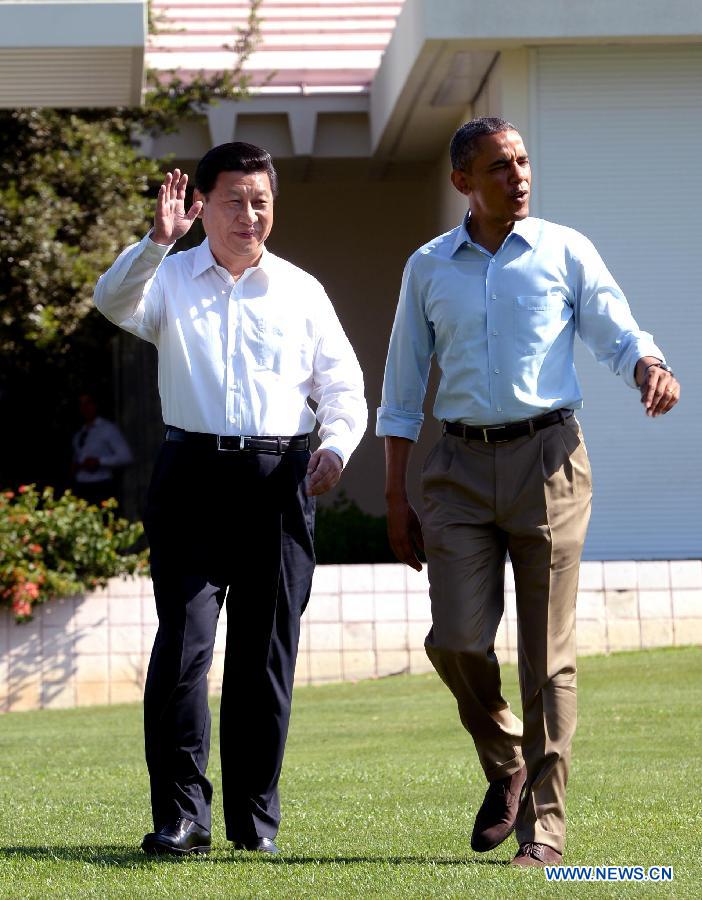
(260, 845)
(496, 817)
(180, 838)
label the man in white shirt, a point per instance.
(245, 339)
(99, 448)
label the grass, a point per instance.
(379, 791)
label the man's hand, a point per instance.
(660, 390)
(323, 472)
(405, 532)
(171, 221)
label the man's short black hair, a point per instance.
(464, 144)
(234, 157)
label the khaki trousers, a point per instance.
(529, 497)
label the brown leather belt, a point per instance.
(235, 443)
(497, 434)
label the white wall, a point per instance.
(616, 133)
(362, 622)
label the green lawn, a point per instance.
(379, 791)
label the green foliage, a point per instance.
(73, 193)
(344, 533)
(57, 547)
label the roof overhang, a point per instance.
(63, 53)
(441, 53)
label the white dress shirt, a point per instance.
(239, 357)
(502, 327)
(101, 440)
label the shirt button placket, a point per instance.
(492, 333)
(234, 316)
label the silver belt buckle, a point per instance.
(221, 449)
(492, 428)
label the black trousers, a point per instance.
(237, 526)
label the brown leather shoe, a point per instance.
(496, 817)
(532, 854)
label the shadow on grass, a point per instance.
(129, 857)
(292, 860)
(109, 855)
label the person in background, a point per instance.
(100, 450)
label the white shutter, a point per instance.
(616, 136)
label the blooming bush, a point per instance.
(57, 547)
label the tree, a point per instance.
(73, 192)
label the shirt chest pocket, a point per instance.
(283, 348)
(538, 321)
(268, 344)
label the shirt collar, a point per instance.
(204, 260)
(527, 229)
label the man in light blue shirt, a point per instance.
(498, 301)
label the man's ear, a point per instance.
(198, 195)
(461, 181)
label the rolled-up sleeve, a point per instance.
(604, 320)
(407, 367)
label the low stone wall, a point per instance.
(362, 622)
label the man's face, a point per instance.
(498, 181)
(238, 216)
(88, 407)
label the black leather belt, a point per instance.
(235, 443)
(497, 434)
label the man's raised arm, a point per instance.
(120, 292)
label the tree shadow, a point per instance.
(46, 655)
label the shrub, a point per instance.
(344, 533)
(56, 547)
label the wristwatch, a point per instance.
(659, 365)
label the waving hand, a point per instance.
(171, 221)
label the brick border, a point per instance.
(363, 621)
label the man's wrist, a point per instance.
(336, 452)
(161, 240)
(658, 365)
(642, 367)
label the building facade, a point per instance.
(357, 103)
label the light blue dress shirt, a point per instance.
(502, 328)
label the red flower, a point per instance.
(35, 548)
(21, 608)
(25, 591)
(24, 488)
